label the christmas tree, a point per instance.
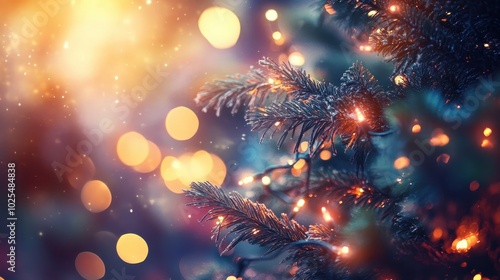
(419, 198)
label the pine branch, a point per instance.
(249, 221)
(238, 91)
(350, 111)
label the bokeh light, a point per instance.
(152, 160)
(401, 162)
(178, 173)
(271, 15)
(220, 26)
(296, 59)
(132, 248)
(90, 266)
(96, 196)
(181, 123)
(132, 148)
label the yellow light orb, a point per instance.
(401, 162)
(271, 15)
(219, 171)
(181, 123)
(152, 160)
(132, 148)
(96, 196)
(132, 248)
(296, 59)
(266, 180)
(90, 266)
(276, 35)
(477, 277)
(220, 26)
(234, 278)
(325, 155)
(487, 131)
(168, 168)
(201, 164)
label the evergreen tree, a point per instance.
(420, 200)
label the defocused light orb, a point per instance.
(220, 26)
(219, 170)
(132, 248)
(296, 59)
(96, 196)
(401, 162)
(132, 148)
(168, 168)
(152, 160)
(201, 164)
(181, 123)
(176, 186)
(90, 266)
(271, 15)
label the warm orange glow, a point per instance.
(326, 215)
(168, 168)
(439, 139)
(277, 123)
(325, 155)
(359, 115)
(487, 131)
(301, 202)
(304, 145)
(181, 123)
(400, 80)
(474, 185)
(200, 165)
(462, 245)
(416, 128)
(372, 13)
(344, 250)
(219, 171)
(90, 266)
(393, 8)
(477, 277)
(401, 162)
(132, 248)
(487, 144)
(443, 158)
(152, 161)
(329, 9)
(96, 196)
(132, 148)
(299, 164)
(437, 233)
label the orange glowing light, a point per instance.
(325, 155)
(303, 146)
(90, 266)
(132, 248)
(359, 115)
(132, 148)
(326, 215)
(401, 162)
(301, 202)
(416, 128)
(462, 245)
(152, 160)
(487, 131)
(344, 250)
(439, 139)
(96, 196)
(437, 233)
(487, 144)
(400, 80)
(393, 8)
(181, 123)
(299, 164)
(329, 9)
(477, 277)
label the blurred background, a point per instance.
(97, 113)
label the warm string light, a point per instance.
(401, 162)
(365, 48)
(299, 205)
(271, 15)
(394, 8)
(329, 9)
(360, 117)
(246, 180)
(326, 215)
(439, 138)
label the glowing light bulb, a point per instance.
(329, 9)
(393, 8)
(487, 131)
(416, 128)
(462, 245)
(326, 215)
(401, 162)
(359, 115)
(266, 180)
(271, 15)
(301, 202)
(372, 13)
(344, 250)
(277, 123)
(276, 35)
(399, 80)
(296, 59)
